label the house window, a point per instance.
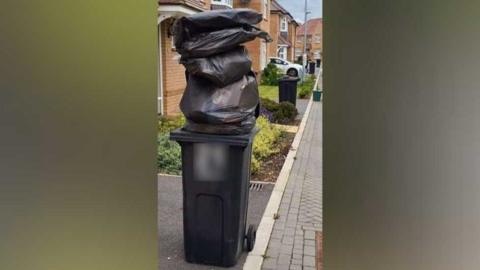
(228, 3)
(317, 39)
(282, 53)
(298, 52)
(283, 25)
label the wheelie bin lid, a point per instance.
(181, 135)
(289, 78)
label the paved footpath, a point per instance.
(293, 242)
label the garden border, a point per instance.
(255, 257)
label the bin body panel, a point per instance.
(311, 68)
(215, 209)
(209, 226)
(287, 90)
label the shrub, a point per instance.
(305, 88)
(304, 93)
(271, 74)
(269, 104)
(169, 159)
(286, 112)
(266, 113)
(167, 124)
(265, 139)
(281, 112)
(255, 165)
(264, 143)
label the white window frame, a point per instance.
(263, 54)
(282, 52)
(298, 52)
(228, 3)
(172, 40)
(265, 8)
(284, 24)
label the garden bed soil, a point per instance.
(270, 167)
(294, 122)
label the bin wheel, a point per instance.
(250, 237)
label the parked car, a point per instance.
(290, 69)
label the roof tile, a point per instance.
(314, 27)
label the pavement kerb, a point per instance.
(169, 175)
(255, 257)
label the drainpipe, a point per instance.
(305, 25)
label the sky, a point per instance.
(297, 7)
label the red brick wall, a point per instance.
(173, 74)
(292, 33)
(253, 47)
(274, 32)
(207, 4)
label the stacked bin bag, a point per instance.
(221, 96)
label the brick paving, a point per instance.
(293, 241)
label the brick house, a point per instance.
(314, 40)
(258, 49)
(171, 74)
(283, 29)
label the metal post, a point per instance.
(305, 26)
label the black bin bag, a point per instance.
(208, 44)
(231, 109)
(187, 27)
(221, 69)
(221, 96)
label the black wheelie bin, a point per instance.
(287, 89)
(216, 176)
